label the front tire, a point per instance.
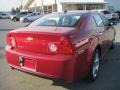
(113, 45)
(12, 68)
(25, 20)
(94, 69)
(113, 41)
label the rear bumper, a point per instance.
(54, 66)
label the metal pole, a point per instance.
(42, 6)
(85, 7)
(55, 1)
(21, 4)
(54, 6)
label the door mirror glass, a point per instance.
(112, 23)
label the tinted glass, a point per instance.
(98, 20)
(32, 14)
(106, 12)
(23, 12)
(93, 22)
(66, 20)
(4, 14)
(105, 20)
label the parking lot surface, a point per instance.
(109, 78)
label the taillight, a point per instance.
(63, 46)
(11, 41)
(52, 47)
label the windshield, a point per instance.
(65, 20)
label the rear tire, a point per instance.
(12, 68)
(25, 20)
(94, 69)
(15, 19)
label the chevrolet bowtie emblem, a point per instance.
(30, 38)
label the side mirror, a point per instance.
(112, 23)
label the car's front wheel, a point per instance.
(113, 45)
(94, 69)
(113, 41)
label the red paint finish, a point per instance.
(28, 48)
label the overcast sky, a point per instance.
(7, 5)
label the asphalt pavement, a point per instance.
(109, 78)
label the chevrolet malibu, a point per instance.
(67, 45)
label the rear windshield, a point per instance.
(60, 20)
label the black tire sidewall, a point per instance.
(25, 20)
(14, 19)
(91, 77)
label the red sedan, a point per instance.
(68, 45)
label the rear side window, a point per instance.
(98, 20)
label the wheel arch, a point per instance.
(99, 48)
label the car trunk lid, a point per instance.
(37, 40)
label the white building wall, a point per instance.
(81, 1)
(39, 2)
(59, 7)
(61, 3)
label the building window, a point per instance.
(94, 6)
(82, 6)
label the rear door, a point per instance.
(102, 33)
(110, 30)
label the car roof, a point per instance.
(71, 12)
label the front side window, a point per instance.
(105, 20)
(65, 20)
(23, 13)
(93, 22)
(38, 13)
(32, 14)
(98, 20)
